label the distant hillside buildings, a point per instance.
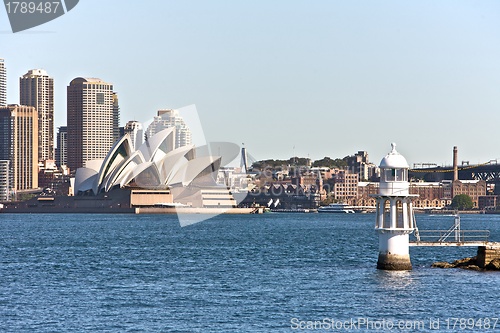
(431, 194)
(287, 183)
(359, 164)
(345, 185)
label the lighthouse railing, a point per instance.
(457, 236)
(416, 231)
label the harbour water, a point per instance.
(246, 273)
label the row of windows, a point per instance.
(396, 175)
(97, 86)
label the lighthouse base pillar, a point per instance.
(394, 262)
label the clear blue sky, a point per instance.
(326, 77)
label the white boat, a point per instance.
(336, 208)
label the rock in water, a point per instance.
(494, 265)
(464, 262)
(442, 264)
(471, 267)
(468, 263)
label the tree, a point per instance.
(462, 202)
(324, 162)
(331, 163)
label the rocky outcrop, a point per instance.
(442, 264)
(468, 263)
(494, 265)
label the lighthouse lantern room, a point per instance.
(395, 219)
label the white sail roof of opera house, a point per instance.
(157, 164)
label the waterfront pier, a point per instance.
(455, 236)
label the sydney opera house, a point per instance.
(155, 177)
(155, 165)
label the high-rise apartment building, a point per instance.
(37, 89)
(3, 84)
(19, 145)
(116, 118)
(62, 146)
(90, 110)
(4, 180)
(134, 129)
(170, 118)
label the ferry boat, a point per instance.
(340, 208)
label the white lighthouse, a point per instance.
(394, 213)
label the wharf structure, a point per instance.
(487, 252)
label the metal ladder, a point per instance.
(454, 229)
(417, 234)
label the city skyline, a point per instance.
(326, 79)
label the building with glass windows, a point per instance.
(4, 180)
(19, 145)
(91, 114)
(3, 83)
(37, 89)
(171, 118)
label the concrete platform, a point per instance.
(487, 244)
(189, 210)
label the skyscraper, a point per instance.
(171, 118)
(134, 128)
(3, 84)
(90, 110)
(4, 180)
(37, 89)
(116, 118)
(62, 146)
(19, 144)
